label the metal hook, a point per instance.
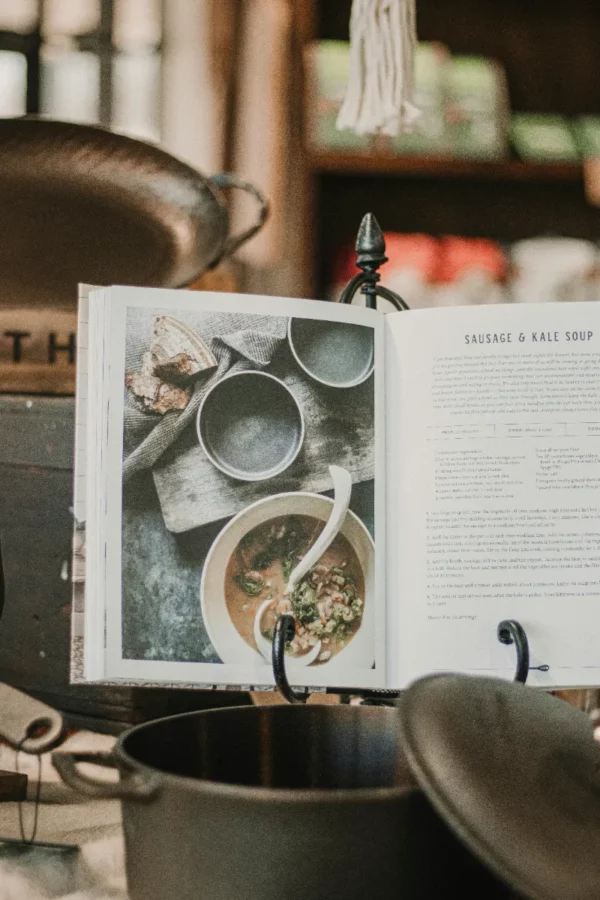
(370, 255)
(284, 631)
(510, 631)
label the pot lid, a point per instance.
(515, 772)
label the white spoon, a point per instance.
(342, 489)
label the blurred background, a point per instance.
(506, 151)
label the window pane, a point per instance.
(136, 94)
(70, 85)
(13, 84)
(18, 15)
(137, 24)
(70, 17)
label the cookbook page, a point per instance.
(493, 463)
(228, 418)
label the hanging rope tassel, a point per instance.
(383, 40)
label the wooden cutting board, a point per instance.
(339, 429)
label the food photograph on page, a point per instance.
(248, 489)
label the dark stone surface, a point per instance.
(161, 581)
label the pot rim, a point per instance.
(253, 793)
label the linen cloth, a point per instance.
(97, 872)
(238, 341)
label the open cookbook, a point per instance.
(219, 436)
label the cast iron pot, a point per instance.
(278, 803)
(81, 204)
(298, 802)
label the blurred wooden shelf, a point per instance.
(503, 201)
(389, 164)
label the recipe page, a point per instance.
(493, 485)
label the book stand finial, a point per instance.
(370, 256)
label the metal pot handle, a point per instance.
(26, 723)
(232, 243)
(133, 786)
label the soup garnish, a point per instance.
(327, 604)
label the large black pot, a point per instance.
(279, 803)
(471, 776)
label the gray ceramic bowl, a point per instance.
(338, 354)
(250, 426)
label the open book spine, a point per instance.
(77, 666)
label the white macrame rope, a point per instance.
(383, 39)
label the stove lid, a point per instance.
(515, 772)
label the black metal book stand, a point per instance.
(370, 256)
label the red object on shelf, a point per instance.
(458, 255)
(429, 271)
(404, 251)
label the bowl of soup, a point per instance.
(249, 564)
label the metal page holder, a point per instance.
(509, 631)
(370, 256)
(512, 632)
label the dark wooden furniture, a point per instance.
(36, 479)
(13, 787)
